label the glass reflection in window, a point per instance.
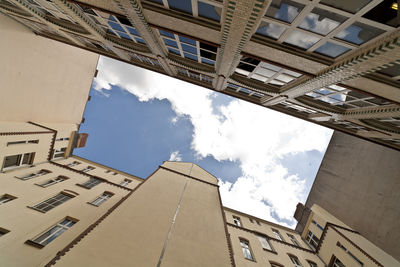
(284, 10)
(321, 21)
(359, 33)
(271, 30)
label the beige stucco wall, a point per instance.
(102, 171)
(358, 183)
(263, 257)
(42, 80)
(329, 247)
(135, 233)
(25, 223)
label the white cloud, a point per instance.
(254, 136)
(175, 156)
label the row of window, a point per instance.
(57, 200)
(237, 221)
(248, 254)
(49, 235)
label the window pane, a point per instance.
(352, 6)
(331, 50)
(284, 10)
(187, 55)
(188, 48)
(321, 21)
(181, 5)
(187, 40)
(385, 12)
(359, 33)
(301, 39)
(116, 26)
(271, 30)
(168, 34)
(12, 161)
(170, 43)
(209, 11)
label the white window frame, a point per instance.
(92, 182)
(54, 232)
(53, 181)
(237, 221)
(265, 243)
(88, 168)
(52, 202)
(125, 182)
(293, 239)
(20, 160)
(13, 143)
(72, 164)
(277, 235)
(295, 260)
(33, 175)
(247, 253)
(311, 241)
(59, 152)
(102, 198)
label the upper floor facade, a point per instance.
(335, 63)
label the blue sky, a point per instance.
(266, 161)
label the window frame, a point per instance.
(20, 160)
(246, 249)
(92, 182)
(295, 260)
(55, 181)
(29, 176)
(277, 235)
(105, 196)
(5, 198)
(61, 227)
(237, 221)
(52, 202)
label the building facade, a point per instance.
(43, 80)
(360, 191)
(335, 63)
(63, 210)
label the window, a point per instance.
(312, 240)
(33, 175)
(189, 48)
(56, 180)
(74, 163)
(102, 198)
(293, 239)
(23, 142)
(52, 202)
(59, 152)
(251, 220)
(350, 254)
(274, 264)
(18, 160)
(312, 264)
(62, 139)
(318, 225)
(277, 235)
(246, 249)
(265, 72)
(88, 168)
(236, 220)
(125, 182)
(258, 223)
(337, 263)
(295, 261)
(54, 232)
(265, 243)
(6, 198)
(3, 231)
(92, 182)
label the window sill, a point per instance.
(271, 251)
(92, 204)
(250, 260)
(34, 244)
(83, 186)
(36, 209)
